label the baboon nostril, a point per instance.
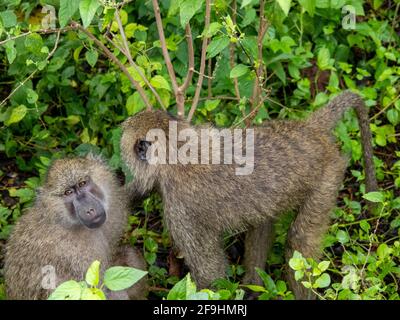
(90, 212)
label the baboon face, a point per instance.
(140, 138)
(71, 183)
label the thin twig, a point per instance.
(34, 72)
(111, 56)
(232, 48)
(164, 48)
(42, 31)
(127, 53)
(189, 75)
(202, 63)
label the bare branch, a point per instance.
(202, 63)
(260, 72)
(163, 43)
(111, 56)
(189, 75)
(42, 31)
(127, 53)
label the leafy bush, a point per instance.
(61, 94)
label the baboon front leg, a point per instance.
(308, 228)
(257, 244)
(204, 255)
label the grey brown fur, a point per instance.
(47, 235)
(297, 167)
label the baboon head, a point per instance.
(145, 140)
(73, 193)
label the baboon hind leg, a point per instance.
(258, 243)
(312, 221)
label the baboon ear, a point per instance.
(141, 148)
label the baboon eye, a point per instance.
(68, 192)
(141, 147)
(82, 183)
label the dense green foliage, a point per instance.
(60, 95)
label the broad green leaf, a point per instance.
(245, 3)
(91, 57)
(323, 265)
(121, 278)
(34, 43)
(393, 116)
(374, 196)
(182, 289)
(134, 104)
(93, 274)
(285, 5)
(8, 18)
(210, 105)
(160, 82)
(365, 225)
(31, 96)
(216, 46)
(24, 194)
(92, 294)
(69, 290)
(188, 9)
(11, 52)
(87, 10)
(17, 114)
(323, 58)
(342, 236)
(238, 70)
(323, 281)
(67, 10)
(384, 251)
(309, 6)
(212, 29)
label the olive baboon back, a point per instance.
(79, 216)
(297, 165)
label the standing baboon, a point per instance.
(79, 216)
(297, 165)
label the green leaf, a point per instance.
(365, 225)
(67, 10)
(121, 278)
(245, 3)
(24, 194)
(393, 116)
(255, 288)
(238, 70)
(210, 105)
(182, 289)
(93, 274)
(8, 18)
(216, 46)
(31, 96)
(188, 9)
(213, 28)
(323, 58)
(374, 196)
(17, 114)
(342, 236)
(309, 6)
(69, 290)
(93, 294)
(91, 57)
(285, 5)
(323, 265)
(134, 104)
(323, 281)
(87, 10)
(160, 82)
(11, 52)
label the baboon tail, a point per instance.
(327, 117)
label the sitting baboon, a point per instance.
(297, 166)
(79, 216)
